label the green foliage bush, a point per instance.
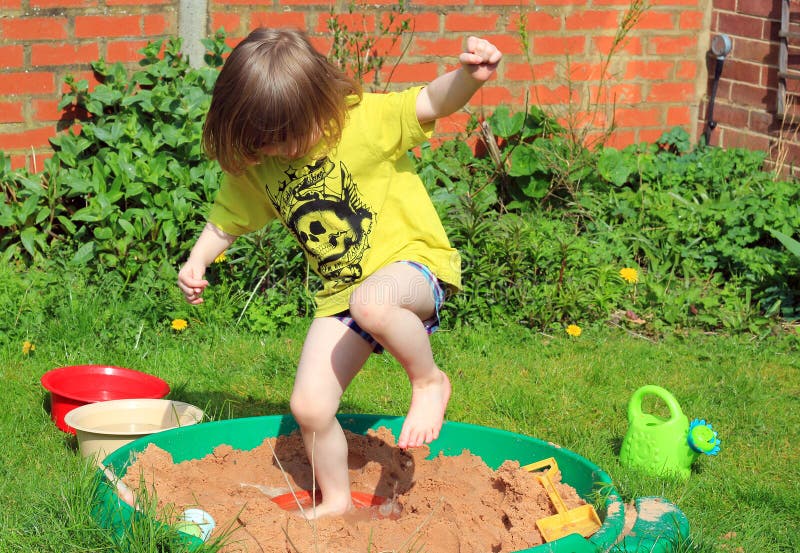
(124, 199)
(699, 213)
(696, 223)
(544, 225)
(125, 191)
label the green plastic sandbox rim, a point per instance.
(494, 446)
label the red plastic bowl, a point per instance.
(71, 387)
(288, 502)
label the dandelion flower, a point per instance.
(179, 325)
(220, 258)
(574, 330)
(28, 347)
(629, 275)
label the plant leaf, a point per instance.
(790, 243)
(84, 254)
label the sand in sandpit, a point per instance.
(448, 504)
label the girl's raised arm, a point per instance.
(448, 93)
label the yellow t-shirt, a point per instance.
(354, 209)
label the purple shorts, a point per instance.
(430, 324)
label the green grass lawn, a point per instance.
(570, 391)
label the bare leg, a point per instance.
(332, 355)
(391, 305)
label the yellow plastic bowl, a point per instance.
(105, 426)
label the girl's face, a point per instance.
(289, 149)
(282, 149)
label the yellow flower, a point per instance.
(574, 330)
(28, 347)
(220, 258)
(629, 275)
(179, 325)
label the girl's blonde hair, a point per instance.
(274, 88)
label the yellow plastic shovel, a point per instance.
(582, 520)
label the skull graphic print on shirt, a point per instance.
(322, 207)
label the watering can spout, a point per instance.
(660, 446)
(702, 437)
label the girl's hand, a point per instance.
(192, 283)
(480, 58)
(448, 93)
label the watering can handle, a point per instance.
(635, 404)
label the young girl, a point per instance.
(299, 141)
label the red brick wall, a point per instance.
(746, 101)
(657, 81)
(653, 80)
(41, 41)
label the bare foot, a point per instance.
(426, 413)
(328, 508)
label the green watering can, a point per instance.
(660, 446)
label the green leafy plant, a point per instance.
(270, 311)
(138, 163)
(788, 242)
(529, 145)
(32, 213)
(565, 152)
(125, 190)
(695, 220)
(699, 212)
(124, 197)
